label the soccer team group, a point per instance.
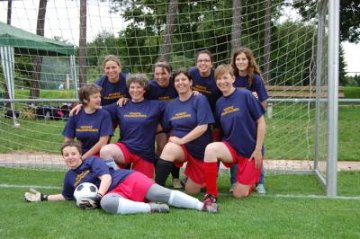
(199, 116)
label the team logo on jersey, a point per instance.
(181, 115)
(87, 128)
(229, 109)
(135, 115)
(80, 177)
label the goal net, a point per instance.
(290, 48)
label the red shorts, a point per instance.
(246, 174)
(134, 187)
(138, 163)
(194, 168)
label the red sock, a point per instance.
(211, 171)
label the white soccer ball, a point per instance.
(85, 190)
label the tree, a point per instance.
(349, 17)
(267, 41)
(165, 49)
(236, 25)
(82, 43)
(37, 60)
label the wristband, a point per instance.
(44, 197)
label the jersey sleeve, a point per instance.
(106, 125)
(112, 110)
(70, 127)
(261, 89)
(255, 107)
(204, 113)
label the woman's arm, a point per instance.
(36, 196)
(105, 183)
(193, 134)
(260, 137)
(103, 140)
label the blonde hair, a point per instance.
(222, 70)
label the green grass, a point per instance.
(46, 94)
(254, 217)
(352, 92)
(290, 134)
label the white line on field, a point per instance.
(2, 185)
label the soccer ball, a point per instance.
(85, 190)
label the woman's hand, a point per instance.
(122, 101)
(75, 110)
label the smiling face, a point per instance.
(72, 157)
(112, 70)
(136, 91)
(94, 101)
(204, 64)
(242, 63)
(182, 84)
(225, 79)
(162, 76)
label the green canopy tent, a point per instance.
(14, 40)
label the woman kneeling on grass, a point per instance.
(241, 117)
(120, 191)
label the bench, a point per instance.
(296, 92)
(289, 91)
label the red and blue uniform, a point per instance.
(89, 171)
(257, 86)
(88, 128)
(112, 92)
(181, 117)
(138, 125)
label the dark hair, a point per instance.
(86, 91)
(71, 143)
(253, 66)
(111, 58)
(163, 64)
(181, 71)
(139, 78)
(206, 51)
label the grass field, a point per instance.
(270, 216)
(290, 134)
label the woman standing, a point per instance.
(248, 76)
(187, 118)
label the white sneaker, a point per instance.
(232, 188)
(260, 189)
(159, 207)
(177, 183)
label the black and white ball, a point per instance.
(85, 190)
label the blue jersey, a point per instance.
(156, 92)
(89, 171)
(111, 92)
(257, 86)
(238, 114)
(206, 86)
(138, 125)
(88, 128)
(181, 117)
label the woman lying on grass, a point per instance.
(120, 191)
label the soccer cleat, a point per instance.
(260, 189)
(159, 207)
(210, 204)
(177, 183)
